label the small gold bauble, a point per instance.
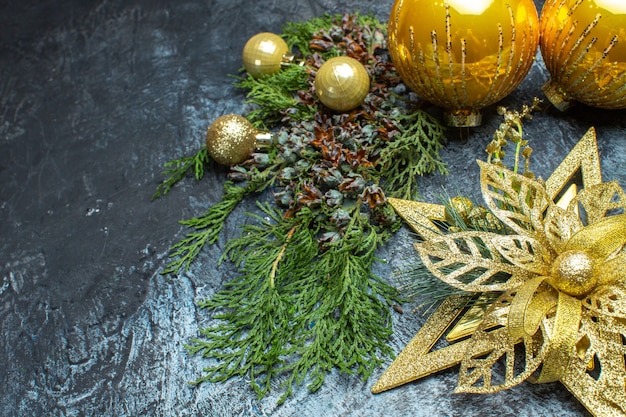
(230, 139)
(263, 54)
(459, 206)
(572, 273)
(463, 55)
(342, 83)
(583, 43)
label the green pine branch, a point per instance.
(296, 310)
(181, 167)
(413, 152)
(255, 315)
(274, 94)
(208, 225)
(305, 300)
(347, 324)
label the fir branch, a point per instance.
(297, 310)
(208, 225)
(299, 34)
(413, 152)
(274, 94)
(181, 167)
(346, 319)
(257, 317)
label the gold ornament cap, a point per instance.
(231, 139)
(264, 54)
(463, 118)
(556, 96)
(342, 83)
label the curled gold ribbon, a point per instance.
(612, 270)
(525, 312)
(602, 238)
(563, 338)
(525, 315)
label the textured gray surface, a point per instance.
(94, 97)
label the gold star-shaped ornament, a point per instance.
(554, 271)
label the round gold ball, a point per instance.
(342, 83)
(230, 139)
(583, 43)
(463, 55)
(263, 54)
(572, 273)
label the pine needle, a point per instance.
(183, 166)
(299, 321)
(412, 153)
(208, 225)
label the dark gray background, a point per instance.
(95, 96)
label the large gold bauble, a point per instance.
(583, 43)
(342, 83)
(231, 139)
(263, 54)
(463, 55)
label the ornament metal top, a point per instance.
(264, 54)
(583, 43)
(463, 55)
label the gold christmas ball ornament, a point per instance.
(264, 53)
(583, 44)
(342, 83)
(463, 55)
(231, 139)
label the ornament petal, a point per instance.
(598, 201)
(520, 360)
(519, 202)
(559, 226)
(471, 261)
(524, 252)
(608, 300)
(596, 373)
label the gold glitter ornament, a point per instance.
(557, 270)
(264, 54)
(572, 273)
(342, 83)
(463, 55)
(583, 43)
(231, 139)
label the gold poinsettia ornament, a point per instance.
(555, 269)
